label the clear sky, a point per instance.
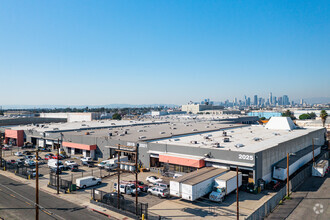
(144, 52)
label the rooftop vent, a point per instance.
(194, 129)
(239, 145)
(226, 140)
(162, 132)
(142, 137)
(257, 139)
(140, 130)
(193, 142)
(176, 139)
(276, 134)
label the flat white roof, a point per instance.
(252, 139)
(71, 126)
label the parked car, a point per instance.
(126, 188)
(19, 153)
(70, 162)
(57, 157)
(176, 175)
(153, 179)
(64, 156)
(29, 163)
(6, 147)
(27, 152)
(32, 172)
(49, 156)
(54, 170)
(88, 163)
(28, 157)
(162, 185)
(52, 163)
(88, 181)
(113, 195)
(73, 167)
(160, 192)
(86, 159)
(143, 187)
(11, 161)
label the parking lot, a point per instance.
(168, 207)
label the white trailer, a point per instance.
(320, 168)
(195, 184)
(224, 185)
(296, 161)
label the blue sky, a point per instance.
(144, 52)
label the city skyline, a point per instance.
(164, 52)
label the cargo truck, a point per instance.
(224, 185)
(195, 184)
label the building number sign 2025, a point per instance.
(245, 157)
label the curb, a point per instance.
(100, 212)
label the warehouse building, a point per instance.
(185, 146)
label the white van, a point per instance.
(88, 181)
(52, 163)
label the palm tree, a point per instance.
(323, 116)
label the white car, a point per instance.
(30, 163)
(19, 153)
(70, 162)
(85, 159)
(153, 179)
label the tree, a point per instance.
(323, 116)
(288, 113)
(116, 116)
(313, 115)
(304, 116)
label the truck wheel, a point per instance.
(84, 187)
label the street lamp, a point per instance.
(287, 172)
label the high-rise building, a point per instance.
(270, 98)
(280, 101)
(286, 100)
(248, 101)
(255, 100)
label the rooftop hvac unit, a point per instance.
(226, 140)
(162, 132)
(125, 132)
(224, 134)
(194, 129)
(140, 130)
(142, 137)
(257, 139)
(86, 133)
(110, 134)
(193, 142)
(239, 145)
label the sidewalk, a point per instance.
(81, 199)
(284, 210)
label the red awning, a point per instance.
(184, 161)
(79, 146)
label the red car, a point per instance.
(49, 156)
(55, 157)
(143, 187)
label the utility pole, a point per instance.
(118, 184)
(237, 193)
(58, 170)
(37, 185)
(313, 151)
(1, 150)
(136, 180)
(287, 174)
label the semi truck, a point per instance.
(195, 184)
(224, 185)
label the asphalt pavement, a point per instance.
(17, 202)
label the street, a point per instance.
(16, 202)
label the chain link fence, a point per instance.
(121, 204)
